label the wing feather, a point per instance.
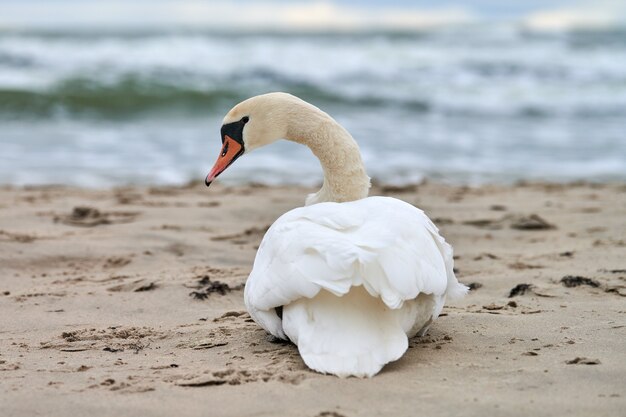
(388, 246)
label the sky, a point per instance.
(307, 14)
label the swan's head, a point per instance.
(251, 124)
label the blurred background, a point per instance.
(106, 93)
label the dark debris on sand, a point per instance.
(329, 414)
(147, 287)
(571, 281)
(205, 287)
(520, 289)
(532, 222)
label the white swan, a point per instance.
(347, 278)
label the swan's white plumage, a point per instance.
(355, 276)
(354, 279)
(355, 334)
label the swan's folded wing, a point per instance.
(384, 244)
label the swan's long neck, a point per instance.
(345, 178)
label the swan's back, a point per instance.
(354, 279)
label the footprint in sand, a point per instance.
(139, 285)
(16, 237)
(518, 222)
(116, 262)
(84, 216)
(239, 376)
(252, 235)
(583, 361)
(111, 339)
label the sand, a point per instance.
(129, 302)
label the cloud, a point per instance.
(330, 16)
(307, 14)
(222, 14)
(583, 15)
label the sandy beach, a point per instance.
(129, 302)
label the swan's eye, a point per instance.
(245, 119)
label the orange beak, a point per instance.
(231, 150)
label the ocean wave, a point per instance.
(139, 95)
(130, 97)
(496, 104)
(477, 73)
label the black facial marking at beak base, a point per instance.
(235, 130)
(232, 137)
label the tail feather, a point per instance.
(355, 334)
(456, 290)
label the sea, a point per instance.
(466, 105)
